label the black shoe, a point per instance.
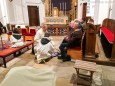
(67, 58)
(59, 57)
(64, 60)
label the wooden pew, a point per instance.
(108, 31)
(77, 52)
(90, 41)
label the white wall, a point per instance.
(96, 12)
(4, 17)
(17, 4)
(0, 13)
(80, 7)
(10, 11)
(103, 10)
(113, 10)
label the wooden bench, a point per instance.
(6, 52)
(83, 79)
(76, 52)
(107, 37)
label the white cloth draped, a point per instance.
(17, 42)
(29, 76)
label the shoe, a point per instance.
(42, 61)
(67, 58)
(64, 60)
(59, 57)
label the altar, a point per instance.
(57, 23)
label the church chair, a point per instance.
(30, 35)
(77, 52)
(24, 32)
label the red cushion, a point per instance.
(10, 50)
(32, 32)
(24, 32)
(108, 34)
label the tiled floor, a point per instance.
(64, 70)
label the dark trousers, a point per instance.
(63, 48)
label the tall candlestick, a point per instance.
(52, 6)
(60, 6)
(65, 8)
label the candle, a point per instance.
(52, 6)
(60, 6)
(65, 8)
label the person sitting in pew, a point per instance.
(16, 38)
(73, 39)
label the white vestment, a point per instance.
(17, 42)
(39, 35)
(29, 76)
(43, 51)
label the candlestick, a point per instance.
(60, 6)
(65, 8)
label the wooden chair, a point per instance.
(76, 53)
(24, 32)
(30, 35)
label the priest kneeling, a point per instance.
(44, 48)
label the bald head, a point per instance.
(44, 27)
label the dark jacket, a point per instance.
(74, 39)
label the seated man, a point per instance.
(72, 40)
(30, 76)
(44, 47)
(16, 38)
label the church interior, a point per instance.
(29, 57)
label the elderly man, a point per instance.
(40, 33)
(71, 40)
